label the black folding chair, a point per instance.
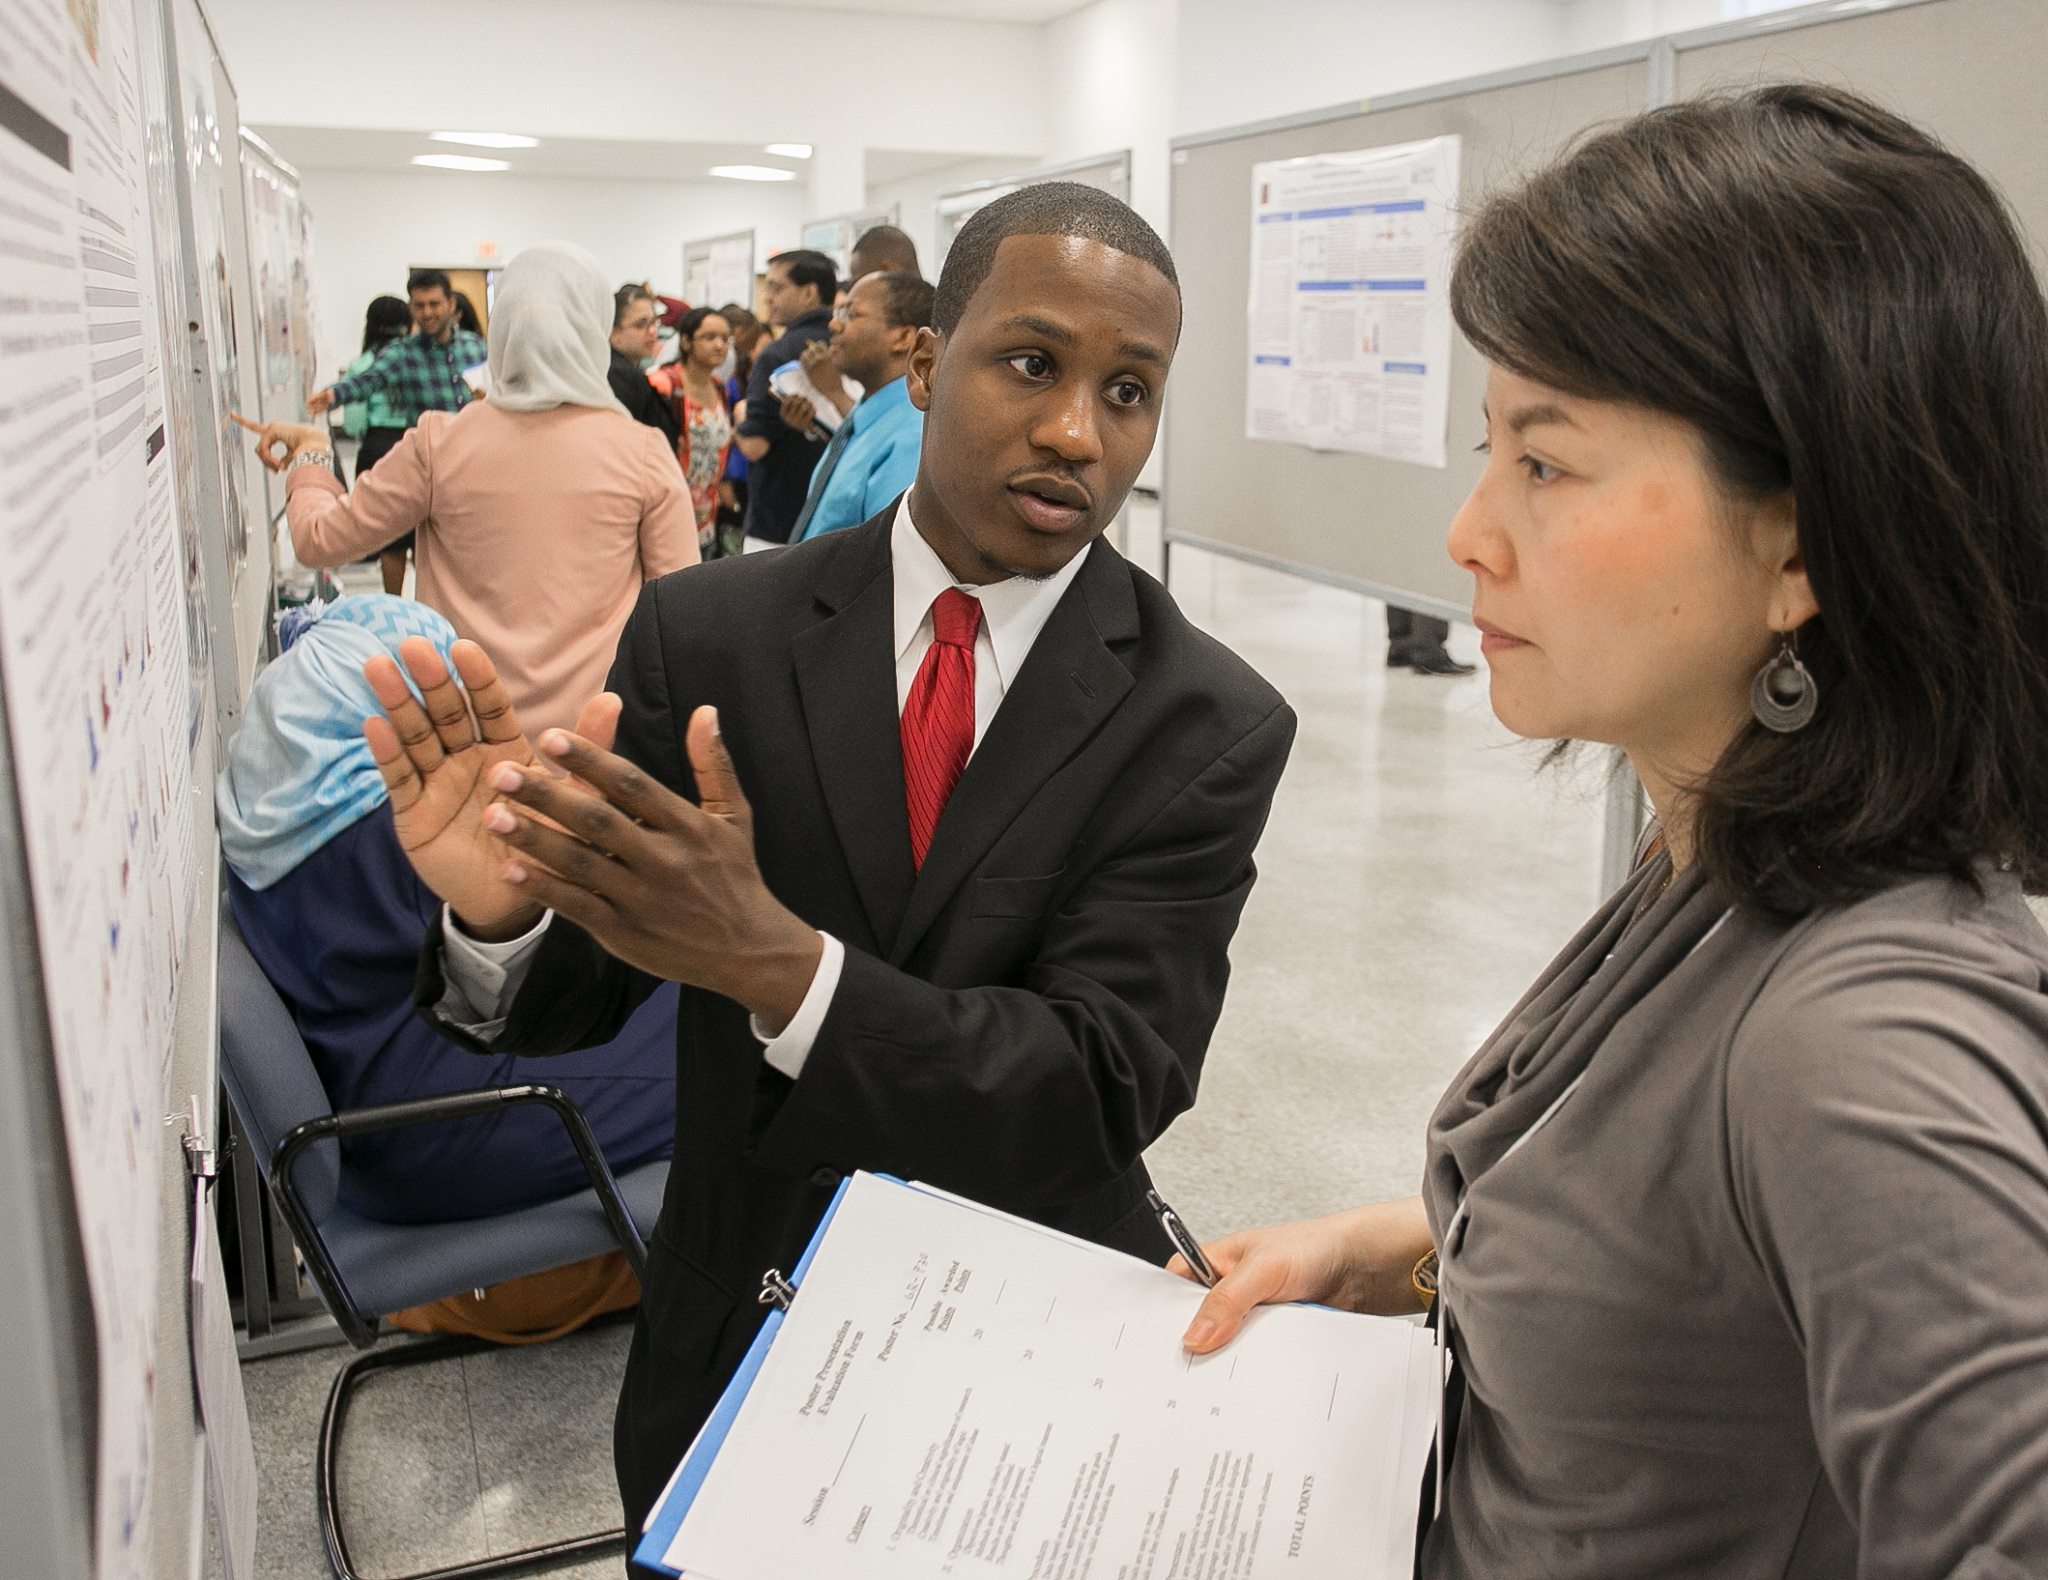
(363, 1267)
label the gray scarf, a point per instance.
(1631, 944)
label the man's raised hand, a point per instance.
(664, 885)
(437, 761)
(822, 370)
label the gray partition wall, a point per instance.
(1357, 520)
(1968, 70)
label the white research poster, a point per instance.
(93, 600)
(1350, 343)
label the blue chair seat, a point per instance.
(390, 1266)
(365, 1268)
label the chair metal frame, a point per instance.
(361, 1329)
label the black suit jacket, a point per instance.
(1016, 1022)
(641, 399)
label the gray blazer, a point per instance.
(1768, 1296)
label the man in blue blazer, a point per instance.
(873, 457)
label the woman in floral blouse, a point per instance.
(691, 385)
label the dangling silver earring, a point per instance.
(1784, 697)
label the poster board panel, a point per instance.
(1350, 317)
(235, 537)
(719, 269)
(99, 714)
(279, 242)
(1361, 521)
(835, 236)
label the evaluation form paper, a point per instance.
(1350, 333)
(959, 1392)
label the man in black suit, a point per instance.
(1002, 984)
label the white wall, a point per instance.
(596, 70)
(916, 197)
(1107, 74)
(599, 68)
(368, 228)
(1115, 74)
(1239, 63)
(1111, 73)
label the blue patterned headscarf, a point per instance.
(298, 770)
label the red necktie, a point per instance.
(938, 717)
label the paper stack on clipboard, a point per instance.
(954, 1391)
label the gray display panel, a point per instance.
(1360, 521)
(1967, 70)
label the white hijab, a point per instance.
(551, 324)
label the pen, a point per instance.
(1183, 1242)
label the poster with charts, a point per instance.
(719, 271)
(93, 652)
(1350, 318)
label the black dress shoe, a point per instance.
(1400, 660)
(1441, 664)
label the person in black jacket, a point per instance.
(944, 822)
(799, 290)
(636, 335)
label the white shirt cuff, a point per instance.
(480, 980)
(788, 1052)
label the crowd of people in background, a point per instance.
(784, 424)
(784, 428)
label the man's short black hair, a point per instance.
(885, 248)
(906, 298)
(1050, 208)
(430, 280)
(805, 267)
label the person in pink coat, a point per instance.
(539, 511)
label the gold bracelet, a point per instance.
(1424, 1277)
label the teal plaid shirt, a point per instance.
(417, 375)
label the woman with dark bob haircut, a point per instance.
(1739, 1223)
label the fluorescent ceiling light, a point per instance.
(752, 173)
(486, 139)
(789, 150)
(459, 162)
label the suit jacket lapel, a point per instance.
(1071, 682)
(846, 676)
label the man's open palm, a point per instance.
(437, 761)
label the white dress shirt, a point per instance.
(483, 978)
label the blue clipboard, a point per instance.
(682, 1491)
